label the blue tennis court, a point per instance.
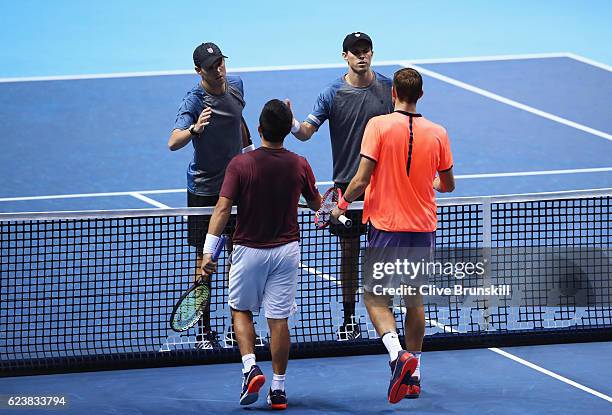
(518, 124)
(114, 150)
(466, 381)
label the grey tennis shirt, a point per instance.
(349, 109)
(220, 141)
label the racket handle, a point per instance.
(345, 221)
(219, 248)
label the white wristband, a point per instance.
(210, 243)
(295, 126)
(248, 148)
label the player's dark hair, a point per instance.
(408, 85)
(275, 121)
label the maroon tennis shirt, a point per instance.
(266, 185)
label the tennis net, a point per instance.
(95, 289)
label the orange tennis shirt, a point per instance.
(396, 201)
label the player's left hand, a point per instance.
(335, 214)
(209, 267)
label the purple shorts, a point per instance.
(384, 239)
(386, 248)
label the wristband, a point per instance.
(210, 243)
(343, 204)
(248, 148)
(295, 126)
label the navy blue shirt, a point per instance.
(220, 141)
(348, 110)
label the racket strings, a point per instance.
(328, 203)
(191, 306)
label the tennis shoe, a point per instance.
(252, 381)
(277, 399)
(401, 369)
(414, 388)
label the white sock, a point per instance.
(391, 342)
(248, 361)
(278, 382)
(417, 371)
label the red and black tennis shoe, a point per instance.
(251, 384)
(401, 370)
(277, 399)
(414, 388)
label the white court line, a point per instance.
(95, 76)
(589, 62)
(516, 174)
(524, 362)
(551, 374)
(326, 183)
(149, 200)
(323, 275)
(310, 66)
(533, 173)
(106, 194)
(86, 195)
(510, 102)
(276, 68)
(491, 58)
(399, 62)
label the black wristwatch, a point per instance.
(191, 131)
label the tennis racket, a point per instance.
(328, 202)
(190, 307)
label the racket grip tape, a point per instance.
(219, 248)
(345, 221)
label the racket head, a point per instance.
(329, 201)
(190, 307)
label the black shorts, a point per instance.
(357, 228)
(197, 225)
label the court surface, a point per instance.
(88, 142)
(511, 132)
(94, 146)
(563, 379)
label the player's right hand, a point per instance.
(203, 120)
(288, 104)
(335, 214)
(209, 266)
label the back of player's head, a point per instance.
(275, 121)
(408, 85)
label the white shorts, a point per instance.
(264, 276)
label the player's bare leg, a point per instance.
(349, 274)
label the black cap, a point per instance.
(206, 54)
(352, 38)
